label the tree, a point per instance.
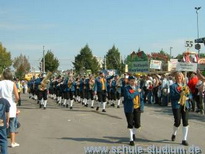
(22, 66)
(113, 59)
(86, 61)
(51, 62)
(5, 58)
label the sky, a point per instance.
(66, 26)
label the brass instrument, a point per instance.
(183, 95)
(70, 81)
(91, 83)
(45, 82)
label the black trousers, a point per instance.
(71, 94)
(90, 94)
(42, 94)
(134, 119)
(180, 114)
(102, 96)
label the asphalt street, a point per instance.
(59, 130)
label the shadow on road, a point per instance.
(123, 139)
(168, 111)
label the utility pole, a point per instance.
(44, 61)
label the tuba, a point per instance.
(45, 82)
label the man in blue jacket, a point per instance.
(133, 106)
(100, 89)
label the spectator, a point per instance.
(4, 124)
(7, 89)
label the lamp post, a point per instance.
(197, 14)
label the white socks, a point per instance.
(85, 101)
(118, 102)
(92, 102)
(104, 105)
(175, 130)
(64, 103)
(45, 103)
(41, 101)
(71, 103)
(131, 134)
(185, 132)
(60, 99)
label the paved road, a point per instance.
(58, 130)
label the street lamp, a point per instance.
(197, 13)
(197, 46)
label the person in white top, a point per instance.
(7, 90)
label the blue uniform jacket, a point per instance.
(98, 85)
(128, 100)
(175, 96)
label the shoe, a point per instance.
(71, 108)
(86, 105)
(13, 145)
(173, 137)
(113, 105)
(44, 108)
(103, 110)
(185, 143)
(92, 107)
(134, 138)
(132, 143)
(66, 105)
(118, 106)
(97, 108)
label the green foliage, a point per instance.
(179, 57)
(5, 58)
(51, 62)
(86, 61)
(113, 60)
(22, 66)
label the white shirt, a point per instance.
(6, 92)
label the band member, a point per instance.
(82, 90)
(100, 89)
(51, 89)
(71, 86)
(65, 95)
(133, 106)
(91, 90)
(43, 91)
(118, 90)
(77, 84)
(86, 91)
(179, 94)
